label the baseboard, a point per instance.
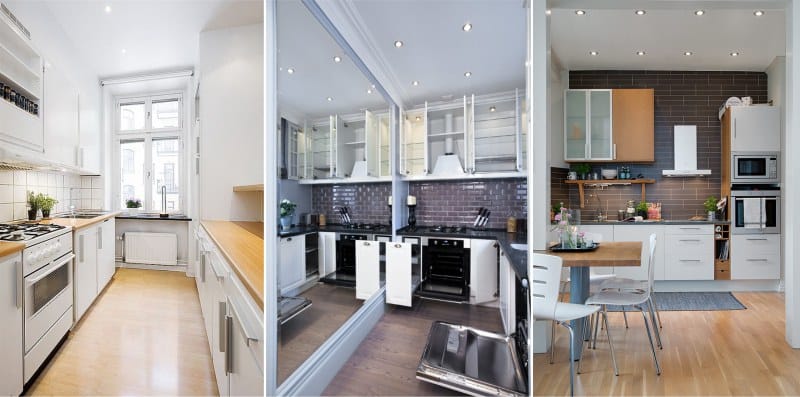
(177, 268)
(314, 375)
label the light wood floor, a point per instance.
(737, 352)
(331, 306)
(144, 335)
(386, 362)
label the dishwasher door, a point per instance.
(472, 361)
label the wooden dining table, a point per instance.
(607, 254)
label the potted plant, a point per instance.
(641, 209)
(287, 210)
(33, 206)
(46, 203)
(582, 169)
(711, 207)
(133, 205)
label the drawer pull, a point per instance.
(757, 260)
(366, 243)
(695, 240)
(756, 239)
(690, 228)
(398, 246)
(690, 260)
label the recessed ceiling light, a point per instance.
(467, 74)
(369, 90)
(418, 118)
(492, 109)
(467, 27)
(398, 43)
(734, 54)
(699, 12)
(593, 53)
(337, 59)
(580, 12)
(329, 99)
(415, 83)
(640, 53)
(548, 12)
(290, 70)
(108, 9)
(687, 53)
(758, 13)
(640, 12)
(123, 51)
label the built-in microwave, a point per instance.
(754, 167)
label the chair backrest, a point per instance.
(544, 275)
(651, 264)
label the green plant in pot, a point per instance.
(287, 210)
(33, 206)
(641, 209)
(133, 205)
(711, 207)
(582, 169)
(46, 203)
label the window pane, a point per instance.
(132, 175)
(131, 116)
(166, 174)
(166, 114)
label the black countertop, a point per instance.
(154, 217)
(662, 222)
(333, 228)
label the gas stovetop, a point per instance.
(443, 229)
(26, 232)
(367, 226)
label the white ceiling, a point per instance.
(156, 35)
(665, 32)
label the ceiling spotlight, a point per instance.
(640, 12)
(593, 53)
(687, 53)
(580, 12)
(640, 53)
(734, 54)
(337, 59)
(415, 83)
(108, 9)
(467, 74)
(123, 51)
(418, 118)
(467, 27)
(369, 90)
(398, 43)
(548, 12)
(758, 13)
(492, 109)
(329, 99)
(290, 70)
(699, 12)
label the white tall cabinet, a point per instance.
(749, 125)
(11, 343)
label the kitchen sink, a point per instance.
(78, 216)
(521, 247)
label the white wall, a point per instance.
(232, 127)
(791, 190)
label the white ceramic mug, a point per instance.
(747, 101)
(572, 175)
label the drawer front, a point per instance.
(690, 229)
(689, 257)
(760, 243)
(755, 266)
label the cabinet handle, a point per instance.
(289, 239)
(398, 246)
(80, 245)
(734, 128)
(248, 336)
(615, 151)
(223, 329)
(100, 238)
(757, 260)
(18, 285)
(366, 243)
(203, 266)
(756, 239)
(690, 228)
(694, 239)
(690, 260)
(229, 350)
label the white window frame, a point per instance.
(148, 135)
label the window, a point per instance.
(150, 135)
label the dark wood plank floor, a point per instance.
(386, 362)
(331, 306)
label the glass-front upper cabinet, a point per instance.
(321, 153)
(496, 134)
(587, 125)
(384, 144)
(415, 142)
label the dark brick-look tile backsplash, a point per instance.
(681, 97)
(457, 202)
(367, 202)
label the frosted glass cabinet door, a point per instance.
(385, 139)
(575, 125)
(372, 143)
(600, 146)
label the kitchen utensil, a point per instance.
(486, 218)
(478, 217)
(608, 173)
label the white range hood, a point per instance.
(685, 152)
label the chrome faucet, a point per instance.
(163, 199)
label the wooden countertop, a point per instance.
(10, 247)
(621, 253)
(242, 245)
(78, 223)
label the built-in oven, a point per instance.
(754, 167)
(756, 211)
(445, 269)
(345, 274)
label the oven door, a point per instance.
(48, 295)
(770, 215)
(446, 273)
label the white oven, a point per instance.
(48, 295)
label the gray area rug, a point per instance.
(693, 301)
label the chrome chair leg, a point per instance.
(625, 316)
(596, 326)
(658, 312)
(610, 344)
(552, 341)
(651, 309)
(650, 337)
(587, 324)
(571, 358)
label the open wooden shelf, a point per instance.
(249, 188)
(609, 182)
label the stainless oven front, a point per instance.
(48, 295)
(756, 212)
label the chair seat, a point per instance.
(573, 311)
(621, 283)
(621, 298)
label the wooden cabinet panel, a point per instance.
(634, 125)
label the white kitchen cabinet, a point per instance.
(598, 233)
(291, 262)
(755, 257)
(244, 352)
(327, 253)
(85, 273)
(690, 252)
(755, 128)
(216, 303)
(11, 344)
(494, 131)
(507, 298)
(414, 138)
(400, 283)
(483, 271)
(295, 149)
(642, 234)
(60, 114)
(368, 268)
(321, 149)
(587, 125)
(106, 264)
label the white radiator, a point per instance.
(151, 248)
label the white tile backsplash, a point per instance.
(84, 192)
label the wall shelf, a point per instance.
(249, 188)
(609, 182)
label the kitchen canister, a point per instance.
(511, 224)
(322, 220)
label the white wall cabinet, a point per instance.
(690, 252)
(483, 271)
(642, 233)
(400, 285)
(327, 253)
(587, 125)
(598, 233)
(11, 344)
(755, 128)
(60, 113)
(368, 268)
(756, 257)
(291, 262)
(85, 273)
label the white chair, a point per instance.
(545, 276)
(635, 298)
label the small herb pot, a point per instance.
(32, 215)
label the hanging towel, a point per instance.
(752, 213)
